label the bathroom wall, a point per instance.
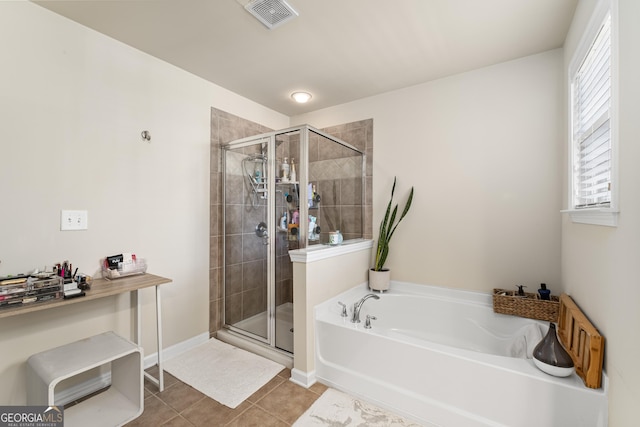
(600, 266)
(321, 273)
(73, 105)
(482, 150)
(486, 151)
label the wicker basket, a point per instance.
(530, 305)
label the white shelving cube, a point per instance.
(121, 403)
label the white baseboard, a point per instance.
(304, 379)
(176, 349)
(85, 388)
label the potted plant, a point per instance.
(379, 276)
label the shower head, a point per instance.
(256, 157)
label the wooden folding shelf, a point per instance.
(582, 341)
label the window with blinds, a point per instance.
(591, 127)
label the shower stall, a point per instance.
(282, 190)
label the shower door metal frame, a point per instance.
(270, 139)
(242, 143)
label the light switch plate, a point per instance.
(74, 220)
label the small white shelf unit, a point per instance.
(122, 402)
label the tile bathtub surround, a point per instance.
(278, 403)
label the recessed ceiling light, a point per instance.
(301, 97)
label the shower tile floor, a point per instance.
(258, 323)
(278, 403)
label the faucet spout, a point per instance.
(355, 318)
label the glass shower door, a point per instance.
(246, 234)
(283, 190)
(288, 236)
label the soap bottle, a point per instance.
(284, 168)
(283, 222)
(544, 292)
(292, 176)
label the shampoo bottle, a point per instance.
(283, 222)
(284, 168)
(292, 176)
(544, 292)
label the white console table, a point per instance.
(101, 288)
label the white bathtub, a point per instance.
(440, 357)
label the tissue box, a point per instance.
(123, 269)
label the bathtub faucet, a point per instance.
(357, 306)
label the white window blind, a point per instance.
(591, 130)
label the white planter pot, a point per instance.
(379, 280)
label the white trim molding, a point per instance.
(602, 216)
(320, 252)
(304, 379)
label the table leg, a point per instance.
(138, 327)
(160, 380)
(159, 330)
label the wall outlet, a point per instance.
(74, 220)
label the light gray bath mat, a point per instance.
(223, 372)
(335, 408)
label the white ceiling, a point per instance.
(339, 50)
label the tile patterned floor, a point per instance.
(279, 403)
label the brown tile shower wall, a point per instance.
(245, 261)
(337, 173)
(243, 258)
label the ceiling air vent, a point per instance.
(272, 13)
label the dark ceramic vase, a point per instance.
(550, 357)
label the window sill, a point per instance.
(594, 216)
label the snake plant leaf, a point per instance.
(388, 227)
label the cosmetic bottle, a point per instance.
(292, 176)
(520, 292)
(283, 222)
(544, 292)
(284, 169)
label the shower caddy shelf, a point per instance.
(259, 188)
